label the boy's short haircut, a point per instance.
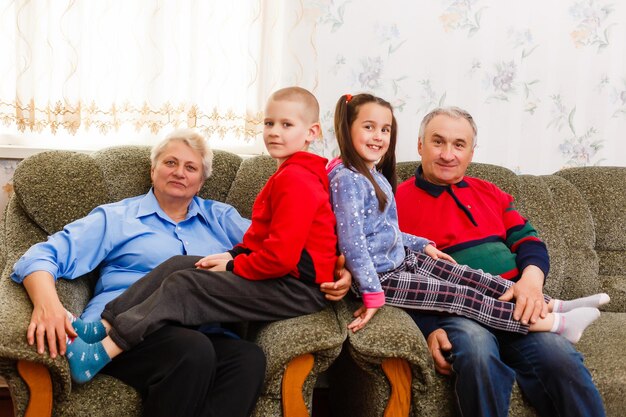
(303, 96)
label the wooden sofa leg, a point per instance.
(293, 379)
(398, 373)
(37, 377)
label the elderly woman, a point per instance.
(177, 371)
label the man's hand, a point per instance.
(437, 344)
(363, 315)
(336, 290)
(435, 253)
(49, 322)
(528, 296)
(211, 262)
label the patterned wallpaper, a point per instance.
(545, 81)
(7, 167)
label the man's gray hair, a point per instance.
(454, 112)
(191, 138)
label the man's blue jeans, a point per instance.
(549, 371)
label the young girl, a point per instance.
(404, 270)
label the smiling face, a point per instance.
(286, 128)
(446, 149)
(177, 173)
(371, 132)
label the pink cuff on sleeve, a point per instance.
(374, 299)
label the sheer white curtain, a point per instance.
(108, 71)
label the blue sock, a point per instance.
(90, 332)
(85, 359)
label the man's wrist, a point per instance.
(533, 274)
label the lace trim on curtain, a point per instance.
(72, 117)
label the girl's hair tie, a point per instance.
(348, 98)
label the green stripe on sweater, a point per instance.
(518, 235)
(493, 257)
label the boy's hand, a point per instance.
(435, 253)
(219, 265)
(363, 315)
(211, 261)
(336, 290)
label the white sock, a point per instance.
(572, 324)
(596, 300)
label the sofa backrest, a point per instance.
(561, 216)
(604, 191)
(55, 188)
(251, 177)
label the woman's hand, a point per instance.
(211, 262)
(363, 315)
(49, 322)
(435, 253)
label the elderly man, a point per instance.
(476, 223)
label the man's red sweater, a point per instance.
(474, 221)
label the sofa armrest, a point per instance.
(318, 334)
(18, 234)
(15, 314)
(391, 334)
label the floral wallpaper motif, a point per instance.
(502, 81)
(578, 149)
(332, 12)
(617, 95)
(462, 15)
(7, 167)
(429, 97)
(592, 23)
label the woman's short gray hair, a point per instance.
(191, 138)
(454, 112)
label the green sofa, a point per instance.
(54, 188)
(579, 212)
(581, 215)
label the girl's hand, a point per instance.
(210, 261)
(435, 253)
(363, 315)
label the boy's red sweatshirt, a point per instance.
(293, 225)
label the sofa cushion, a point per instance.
(57, 187)
(602, 346)
(604, 191)
(571, 238)
(225, 168)
(251, 177)
(126, 170)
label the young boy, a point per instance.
(274, 274)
